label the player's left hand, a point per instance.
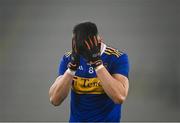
(74, 62)
(92, 51)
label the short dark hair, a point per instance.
(83, 31)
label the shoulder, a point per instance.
(117, 60)
(114, 52)
(116, 56)
(66, 56)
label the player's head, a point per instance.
(83, 31)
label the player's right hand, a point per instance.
(74, 62)
(92, 51)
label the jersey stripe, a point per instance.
(67, 54)
(112, 51)
(111, 54)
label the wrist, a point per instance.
(96, 63)
(71, 72)
(99, 67)
(73, 66)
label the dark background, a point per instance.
(34, 34)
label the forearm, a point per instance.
(116, 89)
(60, 89)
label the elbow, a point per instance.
(55, 101)
(119, 98)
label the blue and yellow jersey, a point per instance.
(89, 102)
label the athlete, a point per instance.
(97, 76)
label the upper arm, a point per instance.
(120, 65)
(63, 64)
(61, 70)
(123, 80)
(120, 71)
(54, 85)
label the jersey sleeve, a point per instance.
(120, 65)
(63, 65)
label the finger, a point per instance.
(91, 42)
(95, 41)
(74, 46)
(100, 39)
(99, 42)
(87, 45)
(72, 43)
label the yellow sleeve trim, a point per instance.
(67, 54)
(112, 51)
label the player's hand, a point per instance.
(92, 52)
(74, 63)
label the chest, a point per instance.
(86, 70)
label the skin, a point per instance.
(60, 88)
(116, 86)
